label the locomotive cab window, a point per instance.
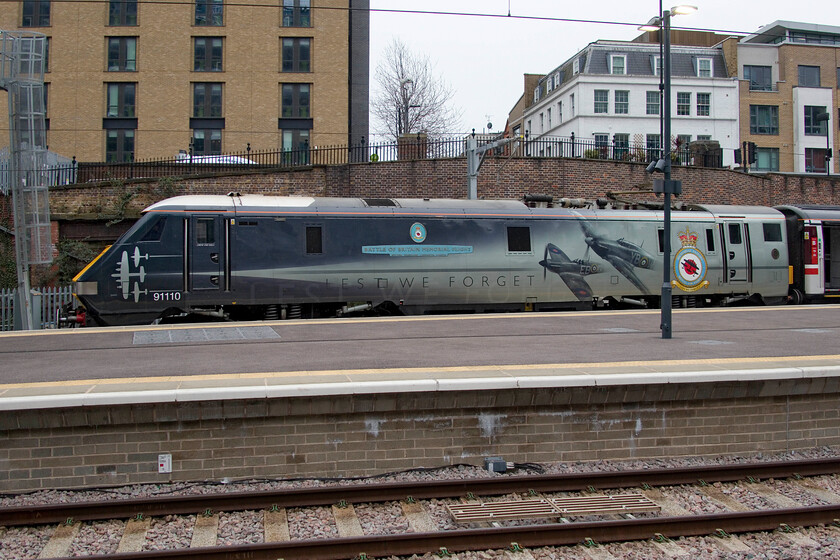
(772, 232)
(314, 241)
(519, 239)
(155, 232)
(205, 231)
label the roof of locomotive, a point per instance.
(258, 202)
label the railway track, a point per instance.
(424, 533)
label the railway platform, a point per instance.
(362, 396)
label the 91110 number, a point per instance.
(167, 296)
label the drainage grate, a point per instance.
(171, 336)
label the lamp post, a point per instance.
(666, 186)
(824, 117)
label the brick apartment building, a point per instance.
(129, 80)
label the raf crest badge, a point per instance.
(689, 264)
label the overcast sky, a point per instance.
(483, 59)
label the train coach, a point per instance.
(243, 257)
(815, 267)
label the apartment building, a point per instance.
(609, 93)
(789, 78)
(776, 88)
(129, 80)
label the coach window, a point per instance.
(519, 239)
(314, 241)
(205, 233)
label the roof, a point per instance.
(796, 32)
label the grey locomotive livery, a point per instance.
(260, 257)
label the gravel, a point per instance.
(246, 527)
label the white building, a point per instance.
(608, 96)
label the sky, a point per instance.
(483, 59)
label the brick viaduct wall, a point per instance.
(446, 178)
(357, 435)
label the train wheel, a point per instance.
(796, 297)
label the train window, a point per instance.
(710, 240)
(205, 231)
(155, 231)
(519, 239)
(660, 239)
(772, 232)
(735, 234)
(313, 240)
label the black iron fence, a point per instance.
(406, 149)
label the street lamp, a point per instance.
(824, 117)
(666, 186)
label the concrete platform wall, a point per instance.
(372, 434)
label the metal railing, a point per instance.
(46, 303)
(408, 148)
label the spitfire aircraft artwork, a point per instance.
(624, 255)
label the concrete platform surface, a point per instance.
(209, 361)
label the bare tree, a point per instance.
(410, 99)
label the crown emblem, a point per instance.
(688, 238)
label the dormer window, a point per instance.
(576, 66)
(618, 64)
(656, 65)
(704, 68)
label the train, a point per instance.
(260, 257)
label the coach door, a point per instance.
(736, 251)
(205, 253)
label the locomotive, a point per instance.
(253, 257)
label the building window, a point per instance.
(683, 103)
(36, 13)
(122, 54)
(207, 100)
(602, 144)
(704, 68)
(572, 102)
(207, 54)
(559, 111)
(548, 112)
(652, 103)
(296, 13)
(119, 146)
(653, 143)
(760, 77)
(621, 144)
(704, 104)
(764, 119)
(209, 12)
(704, 137)
(296, 147)
(121, 100)
(815, 160)
(813, 127)
(618, 64)
(766, 159)
(295, 101)
(206, 142)
(622, 102)
(296, 55)
(809, 76)
(602, 100)
(122, 12)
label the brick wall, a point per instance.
(353, 435)
(499, 178)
